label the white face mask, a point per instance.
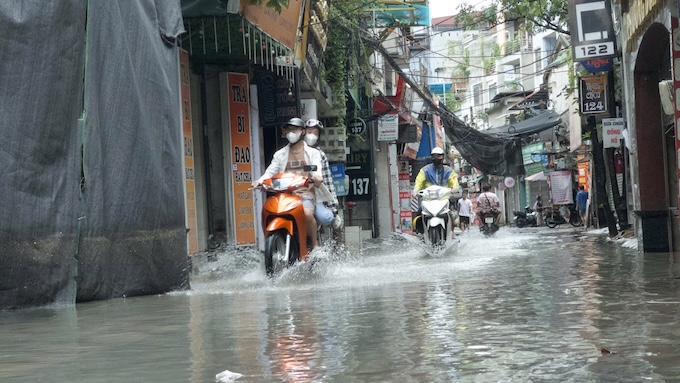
(293, 137)
(311, 139)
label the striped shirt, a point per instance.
(328, 180)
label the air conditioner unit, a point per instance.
(666, 95)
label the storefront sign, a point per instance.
(282, 26)
(388, 127)
(358, 168)
(592, 29)
(532, 153)
(277, 99)
(338, 175)
(405, 215)
(583, 175)
(313, 60)
(241, 177)
(593, 94)
(560, 187)
(612, 129)
(359, 186)
(598, 65)
(189, 181)
(356, 126)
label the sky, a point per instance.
(439, 8)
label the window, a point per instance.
(477, 93)
(538, 59)
(492, 90)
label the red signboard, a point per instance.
(583, 175)
(242, 168)
(405, 216)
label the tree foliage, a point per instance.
(341, 62)
(538, 14)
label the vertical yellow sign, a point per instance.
(189, 181)
(239, 124)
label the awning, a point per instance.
(536, 177)
(536, 124)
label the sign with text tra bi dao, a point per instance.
(593, 94)
(592, 30)
(241, 165)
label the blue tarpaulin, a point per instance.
(427, 141)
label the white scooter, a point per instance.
(436, 218)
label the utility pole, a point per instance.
(619, 203)
(600, 176)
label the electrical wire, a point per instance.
(436, 53)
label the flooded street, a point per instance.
(528, 305)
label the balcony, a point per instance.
(397, 47)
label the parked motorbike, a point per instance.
(435, 217)
(528, 217)
(283, 220)
(487, 227)
(554, 217)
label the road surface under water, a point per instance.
(528, 305)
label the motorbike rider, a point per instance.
(488, 203)
(325, 212)
(538, 208)
(436, 173)
(293, 158)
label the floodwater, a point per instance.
(528, 305)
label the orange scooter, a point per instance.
(283, 219)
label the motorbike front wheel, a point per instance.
(520, 222)
(436, 235)
(275, 252)
(551, 221)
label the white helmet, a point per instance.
(437, 150)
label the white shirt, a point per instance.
(280, 161)
(464, 207)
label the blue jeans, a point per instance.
(323, 215)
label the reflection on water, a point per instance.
(525, 305)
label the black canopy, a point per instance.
(536, 124)
(490, 154)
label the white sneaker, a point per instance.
(337, 222)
